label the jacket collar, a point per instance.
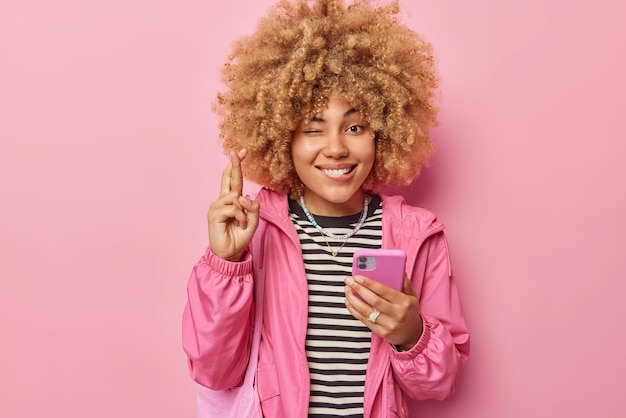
(404, 226)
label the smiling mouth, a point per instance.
(337, 172)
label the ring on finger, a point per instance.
(374, 316)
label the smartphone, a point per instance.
(384, 266)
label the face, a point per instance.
(333, 155)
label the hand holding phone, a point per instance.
(393, 319)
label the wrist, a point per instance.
(413, 342)
(233, 258)
(405, 347)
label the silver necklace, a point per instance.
(329, 234)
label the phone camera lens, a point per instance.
(362, 259)
(362, 265)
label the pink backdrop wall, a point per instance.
(108, 161)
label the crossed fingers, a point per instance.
(232, 177)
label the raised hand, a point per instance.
(232, 218)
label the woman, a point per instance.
(324, 103)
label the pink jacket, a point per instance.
(218, 318)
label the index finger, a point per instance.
(232, 177)
(366, 285)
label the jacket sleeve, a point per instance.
(431, 368)
(218, 321)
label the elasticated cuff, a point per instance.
(422, 343)
(229, 268)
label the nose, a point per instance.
(335, 146)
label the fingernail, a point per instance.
(358, 279)
(348, 280)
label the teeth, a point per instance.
(337, 173)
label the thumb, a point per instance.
(253, 209)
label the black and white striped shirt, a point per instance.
(337, 345)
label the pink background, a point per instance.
(109, 160)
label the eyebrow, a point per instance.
(345, 115)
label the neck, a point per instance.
(324, 208)
(327, 233)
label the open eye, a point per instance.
(356, 129)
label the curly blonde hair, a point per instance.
(301, 53)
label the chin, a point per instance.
(339, 197)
